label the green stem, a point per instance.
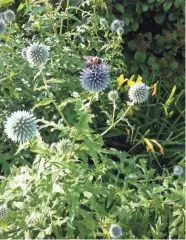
(114, 110)
(113, 124)
(56, 106)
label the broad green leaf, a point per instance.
(167, 5)
(3, 2)
(140, 56)
(119, 7)
(135, 26)
(159, 18)
(144, 7)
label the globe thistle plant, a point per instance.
(138, 93)
(95, 78)
(21, 126)
(115, 231)
(113, 96)
(120, 31)
(2, 27)
(37, 54)
(116, 24)
(64, 145)
(9, 16)
(178, 170)
(3, 212)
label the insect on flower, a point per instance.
(92, 61)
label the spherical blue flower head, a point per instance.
(9, 16)
(21, 126)
(178, 170)
(37, 54)
(95, 78)
(3, 211)
(2, 27)
(138, 93)
(115, 231)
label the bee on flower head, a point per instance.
(92, 61)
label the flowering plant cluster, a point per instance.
(84, 142)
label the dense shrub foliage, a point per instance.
(92, 149)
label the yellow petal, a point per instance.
(149, 145)
(130, 82)
(154, 87)
(139, 79)
(120, 80)
(159, 146)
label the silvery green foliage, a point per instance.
(120, 31)
(3, 211)
(115, 231)
(95, 78)
(23, 53)
(116, 24)
(103, 22)
(9, 16)
(21, 126)
(37, 54)
(113, 96)
(2, 16)
(2, 27)
(178, 170)
(138, 93)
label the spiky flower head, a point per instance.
(138, 93)
(103, 22)
(120, 31)
(3, 211)
(21, 126)
(95, 78)
(2, 27)
(9, 16)
(178, 170)
(37, 54)
(23, 53)
(115, 231)
(113, 96)
(62, 146)
(116, 24)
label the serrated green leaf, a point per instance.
(44, 102)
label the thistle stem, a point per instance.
(113, 124)
(114, 110)
(56, 106)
